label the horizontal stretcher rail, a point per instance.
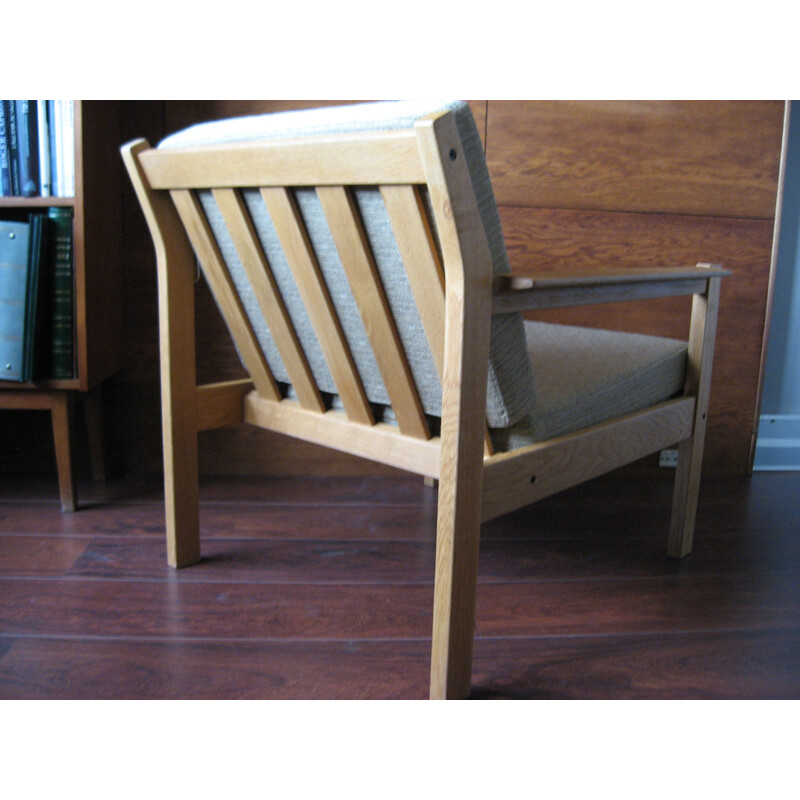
(517, 478)
(380, 442)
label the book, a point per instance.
(5, 169)
(43, 127)
(23, 321)
(10, 108)
(62, 295)
(37, 316)
(14, 238)
(28, 148)
(37, 148)
(62, 147)
(68, 147)
(54, 132)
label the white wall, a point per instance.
(778, 444)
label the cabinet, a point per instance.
(97, 310)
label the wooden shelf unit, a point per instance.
(97, 310)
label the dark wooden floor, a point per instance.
(322, 588)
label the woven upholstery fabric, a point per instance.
(510, 389)
(586, 376)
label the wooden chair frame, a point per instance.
(456, 296)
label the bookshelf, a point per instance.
(97, 288)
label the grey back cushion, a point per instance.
(510, 388)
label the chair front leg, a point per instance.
(690, 452)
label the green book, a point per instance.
(37, 317)
(23, 276)
(14, 237)
(62, 295)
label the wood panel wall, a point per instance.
(578, 184)
(641, 184)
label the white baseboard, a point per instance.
(778, 446)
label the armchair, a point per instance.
(357, 258)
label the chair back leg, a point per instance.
(175, 262)
(455, 589)
(179, 413)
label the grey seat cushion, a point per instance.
(510, 389)
(586, 376)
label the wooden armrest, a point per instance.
(521, 292)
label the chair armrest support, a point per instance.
(532, 291)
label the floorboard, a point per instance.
(313, 588)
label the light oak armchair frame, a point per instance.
(456, 297)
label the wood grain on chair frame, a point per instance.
(456, 295)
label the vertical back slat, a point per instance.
(365, 282)
(308, 277)
(219, 280)
(421, 259)
(265, 289)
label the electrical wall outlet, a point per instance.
(668, 459)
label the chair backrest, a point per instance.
(326, 263)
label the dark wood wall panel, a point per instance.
(707, 158)
(647, 183)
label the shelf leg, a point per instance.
(60, 413)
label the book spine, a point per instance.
(5, 170)
(28, 148)
(43, 126)
(36, 343)
(62, 294)
(68, 140)
(11, 128)
(53, 132)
